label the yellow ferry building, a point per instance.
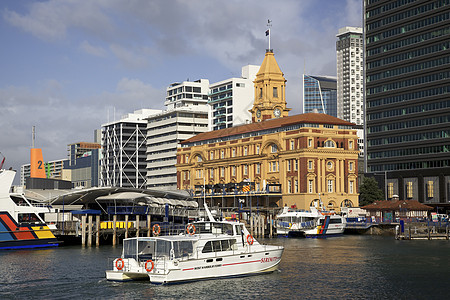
(277, 160)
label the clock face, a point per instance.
(277, 112)
(258, 113)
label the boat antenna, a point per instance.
(3, 160)
(210, 216)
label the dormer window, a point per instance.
(329, 144)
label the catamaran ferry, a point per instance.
(313, 223)
(206, 250)
(21, 225)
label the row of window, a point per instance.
(189, 89)
(245, 150)
(410, 124)
(330, 186)
(409, 41)
(222, 88)
(410, 110)
(408, 13)
(410, 138)
(410, 165)
(410, 27)
(274, 166)
(429, 189)
(387, 7)
(222, 96)
(409, 82)
(410, 96)
(409, 55)
(413, 68)
(410, 151)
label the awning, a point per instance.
(86, 212)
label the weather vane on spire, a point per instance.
(269, 24)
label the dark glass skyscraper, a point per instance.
(320, 92)
(408, 97)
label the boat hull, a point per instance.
(229, 266)
(20, 236)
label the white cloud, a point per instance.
(130, 58)
(60, 121)
(85, 46)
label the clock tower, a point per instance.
(270, 86)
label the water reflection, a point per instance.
(343, 267)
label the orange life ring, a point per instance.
(250, 239)
(156, 229)
(121, 265)
(146, 265)
(190, 229)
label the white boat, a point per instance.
(206, 250)
(21, 224)
(313, 223)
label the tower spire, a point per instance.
(269, 25)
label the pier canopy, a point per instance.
(143, 197)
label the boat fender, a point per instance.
(250, 239)
(156, 229)
(190, 229)
(147, 267)
(119, 264)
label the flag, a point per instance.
(3, 161)
(246, 188)
(267, 32)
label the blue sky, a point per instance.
(67, 64)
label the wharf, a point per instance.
(423, 231)
(90, 230)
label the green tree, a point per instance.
(369, 191)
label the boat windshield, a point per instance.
(183, 248)
(152, 249)
(215, 228)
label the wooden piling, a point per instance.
(83, 230)
(126, 226)
(137, 226)
(149, 225)
(263, 224)
(90, 231)
(114, 241)
(270, 225)
(97, 230)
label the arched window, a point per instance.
(330, 144)
(273, 148)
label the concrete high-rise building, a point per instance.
(350, 79)
(186, 115)
(350, 75)
(124, 144)
(230, 100)
(320, 94)
(407, 102)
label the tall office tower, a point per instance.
(319, 93)
(407, 102)
(350, 66)
(123, 150)
(350, 79)
(185, 116)
(231, 99)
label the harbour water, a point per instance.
(347, 267)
